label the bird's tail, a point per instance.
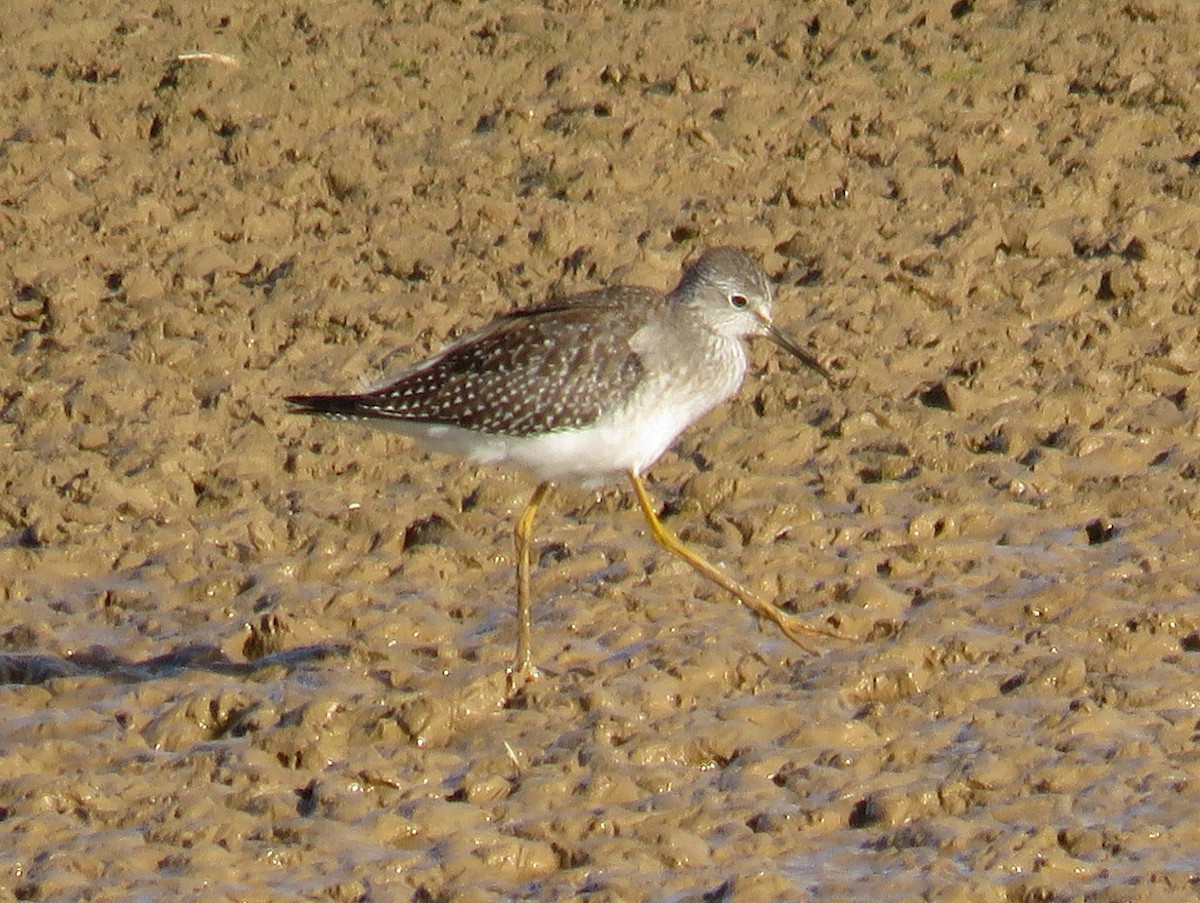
(335, 405)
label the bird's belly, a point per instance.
(594, 456)
(604, 452)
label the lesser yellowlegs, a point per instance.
(588, 389)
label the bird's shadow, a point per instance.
(33, 668)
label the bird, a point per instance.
(588, 389)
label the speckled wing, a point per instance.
(560, 366)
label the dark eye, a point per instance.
(741, 302)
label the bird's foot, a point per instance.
(518, 676)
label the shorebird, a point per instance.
(588, 389)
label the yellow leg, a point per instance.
(522, 668)
(793, 628)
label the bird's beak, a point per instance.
(784, 342)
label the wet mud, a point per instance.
(247, 656)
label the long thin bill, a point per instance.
(782, 340)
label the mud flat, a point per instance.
(250, 657)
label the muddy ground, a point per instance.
(248, 656)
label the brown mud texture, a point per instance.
(250, 656)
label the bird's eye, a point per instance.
(741, 302)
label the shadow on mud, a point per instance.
(39, 668)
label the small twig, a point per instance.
(512, 755)
(209, 55)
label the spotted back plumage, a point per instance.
(548, 368)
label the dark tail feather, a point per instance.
(337, 405)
